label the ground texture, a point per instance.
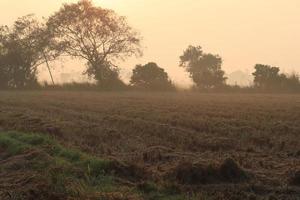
(164, 145)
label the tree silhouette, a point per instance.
(95, 34)
(109, 76)
(204, 69)
(267, 77)
(293, 82)
(150, 76)
(24, 47)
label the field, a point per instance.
(153, 145)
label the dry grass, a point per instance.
(160, 131)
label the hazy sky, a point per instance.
(243, 32)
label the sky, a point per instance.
(243, 33)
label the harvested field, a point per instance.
(202, 146)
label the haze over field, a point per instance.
(242, 32)
(149, 99)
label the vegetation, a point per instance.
(204, 69)
(56, 164)
(101, 37)
(150, 77)
(23, 48)
(96, 35)
(68, 173)
(157, 145)
(268, 78)
(136, 145)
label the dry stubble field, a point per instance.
(217, 146)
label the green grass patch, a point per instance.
(15, 143)
(11, 146)
(72, 172)
(151, 191)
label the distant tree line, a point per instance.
(269, 78)
(206, 72)
(101, 37)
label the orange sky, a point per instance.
(242, 32)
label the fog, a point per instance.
(242, 33)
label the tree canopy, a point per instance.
(150, 76)
(204, 68)
(267, 77)
(23, 48)
(95, 34)
(102, 39)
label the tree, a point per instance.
(24, 47)
(95, 34)
(3, 70)
(293, 82)
(150, 76)
(204, 69)
(109, 76)
(267, 77)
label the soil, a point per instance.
(221, 146)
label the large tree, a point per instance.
(150, 76)
(23, 48)
(95, 34)
(204, 69)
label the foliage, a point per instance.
(107, 76)
(25, 46)
(101, 37)
(62, 165)
(118, 85)
(150, 76)
(204, 69)
(292, 82)
(95, 34)
(267, 77)
(70, 173)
